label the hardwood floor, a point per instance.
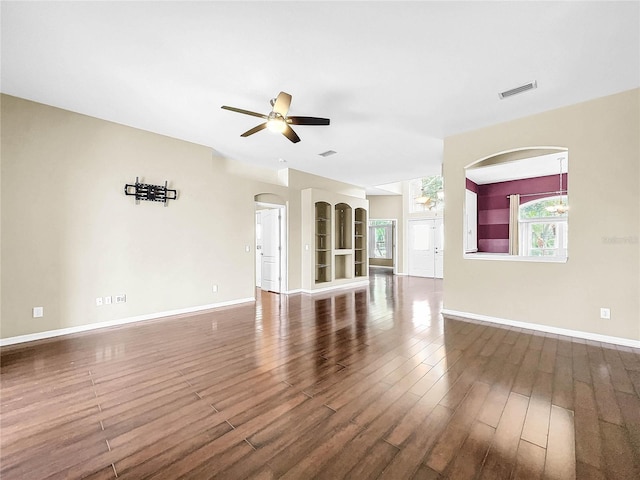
(366, 383)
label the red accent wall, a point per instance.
(493, 207)
(471, 185)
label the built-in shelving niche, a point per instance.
(334, 245)
(343, 226)
(343, 255)
(360, 243)
(323, 242)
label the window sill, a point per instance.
(505, 257)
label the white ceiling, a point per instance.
(395, 78)
(543, 165)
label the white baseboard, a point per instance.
(112, 323)
(291, 292)
(363, 283)
(627, 342)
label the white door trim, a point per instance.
(283, 242)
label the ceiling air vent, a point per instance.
(328, 153)
(517, 90)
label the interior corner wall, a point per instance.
(69, 234)
(389, 207)
(603, 267)
(302, 180)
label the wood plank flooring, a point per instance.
(357, 384)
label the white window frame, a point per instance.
(561, 235)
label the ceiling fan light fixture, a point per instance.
(559, 208)
(277, 125)
(278, 120)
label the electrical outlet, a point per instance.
(215, 289)
(107, 300)
(605, 313)
(121, 298)
(38, 312)
(98, 301)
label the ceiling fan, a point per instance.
(277, 120)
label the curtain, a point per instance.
(514, 217)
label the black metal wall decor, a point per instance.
(152, 193)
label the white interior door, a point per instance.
(471, 221)
(258, 249)
(421, 248)
(426, 248)
(270, 269)
(438, 248)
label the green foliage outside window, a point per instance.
(538, 208)
(431, 186)
(543, 239)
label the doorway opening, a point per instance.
(382, 244)
(270, 247)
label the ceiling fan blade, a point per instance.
(290, 134)
(246, 112)
(308, 121)
(282, 104)
(256, 129)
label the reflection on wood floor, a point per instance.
(364, 383)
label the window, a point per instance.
(381, 239)
(543, 227)
(427, 194)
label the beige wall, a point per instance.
(385, 207)
(381, 262)
(603, 269)
(300, 180)
(69, 234)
